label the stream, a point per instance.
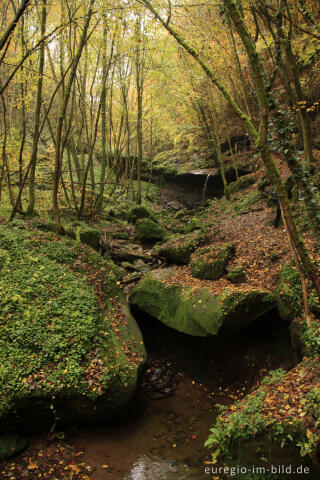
(158, 439)
(162, 437)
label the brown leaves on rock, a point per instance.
(285, 400)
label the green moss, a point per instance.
(58, 339)
(140, 212)
(241, 184)
(180, 214)
(235, 432)
(288, 293)
(178, 250)
(198, 312)
(245, 432)
(252, 198)
(128, 266)
(193, 224)
(240, 308)
(237, 275)
(88, 235)
(4, 258)
(146, 229)
(209, 263)
(263, 183)
(42, 224)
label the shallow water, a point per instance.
(153, 468)
(158, 439)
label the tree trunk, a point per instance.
(5, 37)
(139, 87)
(62, 113)
(36, 128)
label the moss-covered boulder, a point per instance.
(146, 229)
(193, 224)
(69, 347)
(198, 312)
(209, 263)
(178, 250)
(140, 212)
(288, 293)
(85, 234)
(240, 184)
(236, 275)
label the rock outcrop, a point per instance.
(197, 311)
(69, 347)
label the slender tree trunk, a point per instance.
(83, 139)
(75, 159)
(23, 114)
(36, 128)
(73, 193)
(5, 166)
(5, 37)
(90, 161)
(139, 87)
(241, 75)
(233, 158)
(104, 154)
(62, 113)
(220, 156)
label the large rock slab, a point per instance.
(197, 311)
(69, 347)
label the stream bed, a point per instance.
(161, 436)
(157, 440)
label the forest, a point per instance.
(159, 239)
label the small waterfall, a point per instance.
(205, 189)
